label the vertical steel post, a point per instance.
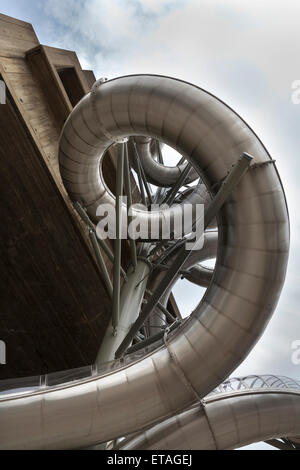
(130, 306)
(142, 175)
(118, 241)
(139, 174)
(166, 312)
(160, 156)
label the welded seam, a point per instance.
(181, 374)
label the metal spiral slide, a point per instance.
(153, 372)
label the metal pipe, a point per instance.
(118, 242)
(139, 175)
(163, 309)
(101, 263)
(129, 204)
(160, 191)
(230, 183)
(166, 312)
(280, 445)
(84, 216)
(160, 155)
(224, 421)
(199, 275)
(142, 173)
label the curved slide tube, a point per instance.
(250, 269)
(199, 275)
(229, 419)
(86, 184)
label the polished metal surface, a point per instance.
(253, 244)
(240, 412)
(157, 173)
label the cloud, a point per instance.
(104, 31)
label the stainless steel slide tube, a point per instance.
(250, 269)
(228, 420)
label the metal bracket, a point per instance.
(261, 164)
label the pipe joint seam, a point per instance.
(181, 374)
(178, 369)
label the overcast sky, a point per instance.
(247, 53)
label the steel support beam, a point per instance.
(153, 339)
(160, 191)
(163, 309)
(172, 193)
(181, 161)
(118, 241)
(84, 216)
(229, 184)
(142, 175)
(231, 181)
(140, 180)
(129, 203)
(280, 445)
(166, 312)
(101, 263)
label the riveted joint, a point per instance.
(120, 140)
